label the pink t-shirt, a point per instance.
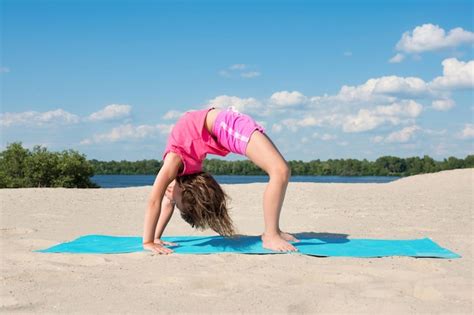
(191, 140)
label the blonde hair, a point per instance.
(204, 203)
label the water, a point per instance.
(115, 181)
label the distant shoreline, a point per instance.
(121, 181)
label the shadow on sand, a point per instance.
(245, 242)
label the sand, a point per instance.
(439, 206)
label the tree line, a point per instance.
(383, 166)
(21, 167)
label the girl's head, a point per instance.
(203, 203)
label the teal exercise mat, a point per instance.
(308, 245)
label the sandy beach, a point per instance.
(439, 206)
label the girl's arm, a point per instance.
(167, 207)
(165, 176)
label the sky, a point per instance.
(327, 79)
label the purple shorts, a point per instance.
(233, 130)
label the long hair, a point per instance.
(204, 203)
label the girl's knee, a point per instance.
(281, 171)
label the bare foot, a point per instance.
(288, 237)
(277, 243)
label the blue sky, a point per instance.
(327, 79)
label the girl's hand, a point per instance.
(160, 242)
(157, 248)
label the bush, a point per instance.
(19, 167)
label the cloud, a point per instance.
(387, 100)
(429, 37)
(294, 124)
(111, 112)
(400, 136)
(368, 119)
(277, 128)
(456, 75)
(434, 132)
(324, 137)
(33, 118)
(239, 66)
(403, 135)
(394, 85)
(4, 69)
(383, 89)
(363, 121)
(129, 132)
(397, 58)
(251, 74)
(285, 98)
(172, 114)
(348, 54)
(224, 73)
(240, 70)
(467, 132)
(241, 104)
(442, 104)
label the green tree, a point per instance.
(21, 168)
(12, 166)
(41, 167)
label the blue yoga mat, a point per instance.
(315, 246)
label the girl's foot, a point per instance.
(277, 243)
(288, 237)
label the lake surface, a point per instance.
(116, 181)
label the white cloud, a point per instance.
(238, 66)
(348, 53)
(386, 100)
(429, 37)
(111, 112)
(400, 136)
(285, 98)
(442, 104)
(363, 121)
(368, 119)
(224, 73)
(324, 137)
(397, 58)
(33, 118)
(291, 124)
(383, 89)
(393, 85)
(434, 132)
(276, 128)
(456, 75)
(4, 69)
(129, 132)
(403, 135)
(251, 74)
(172, 114)
(408, 108)
(241, 104)
(467, 132)
(294, 124)
(239, 69)
(377, 139)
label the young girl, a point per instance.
(200, 199)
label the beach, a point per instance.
(438, 206)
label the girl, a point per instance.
(200, 199)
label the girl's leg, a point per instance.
(261, 151)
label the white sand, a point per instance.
(439, 206)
